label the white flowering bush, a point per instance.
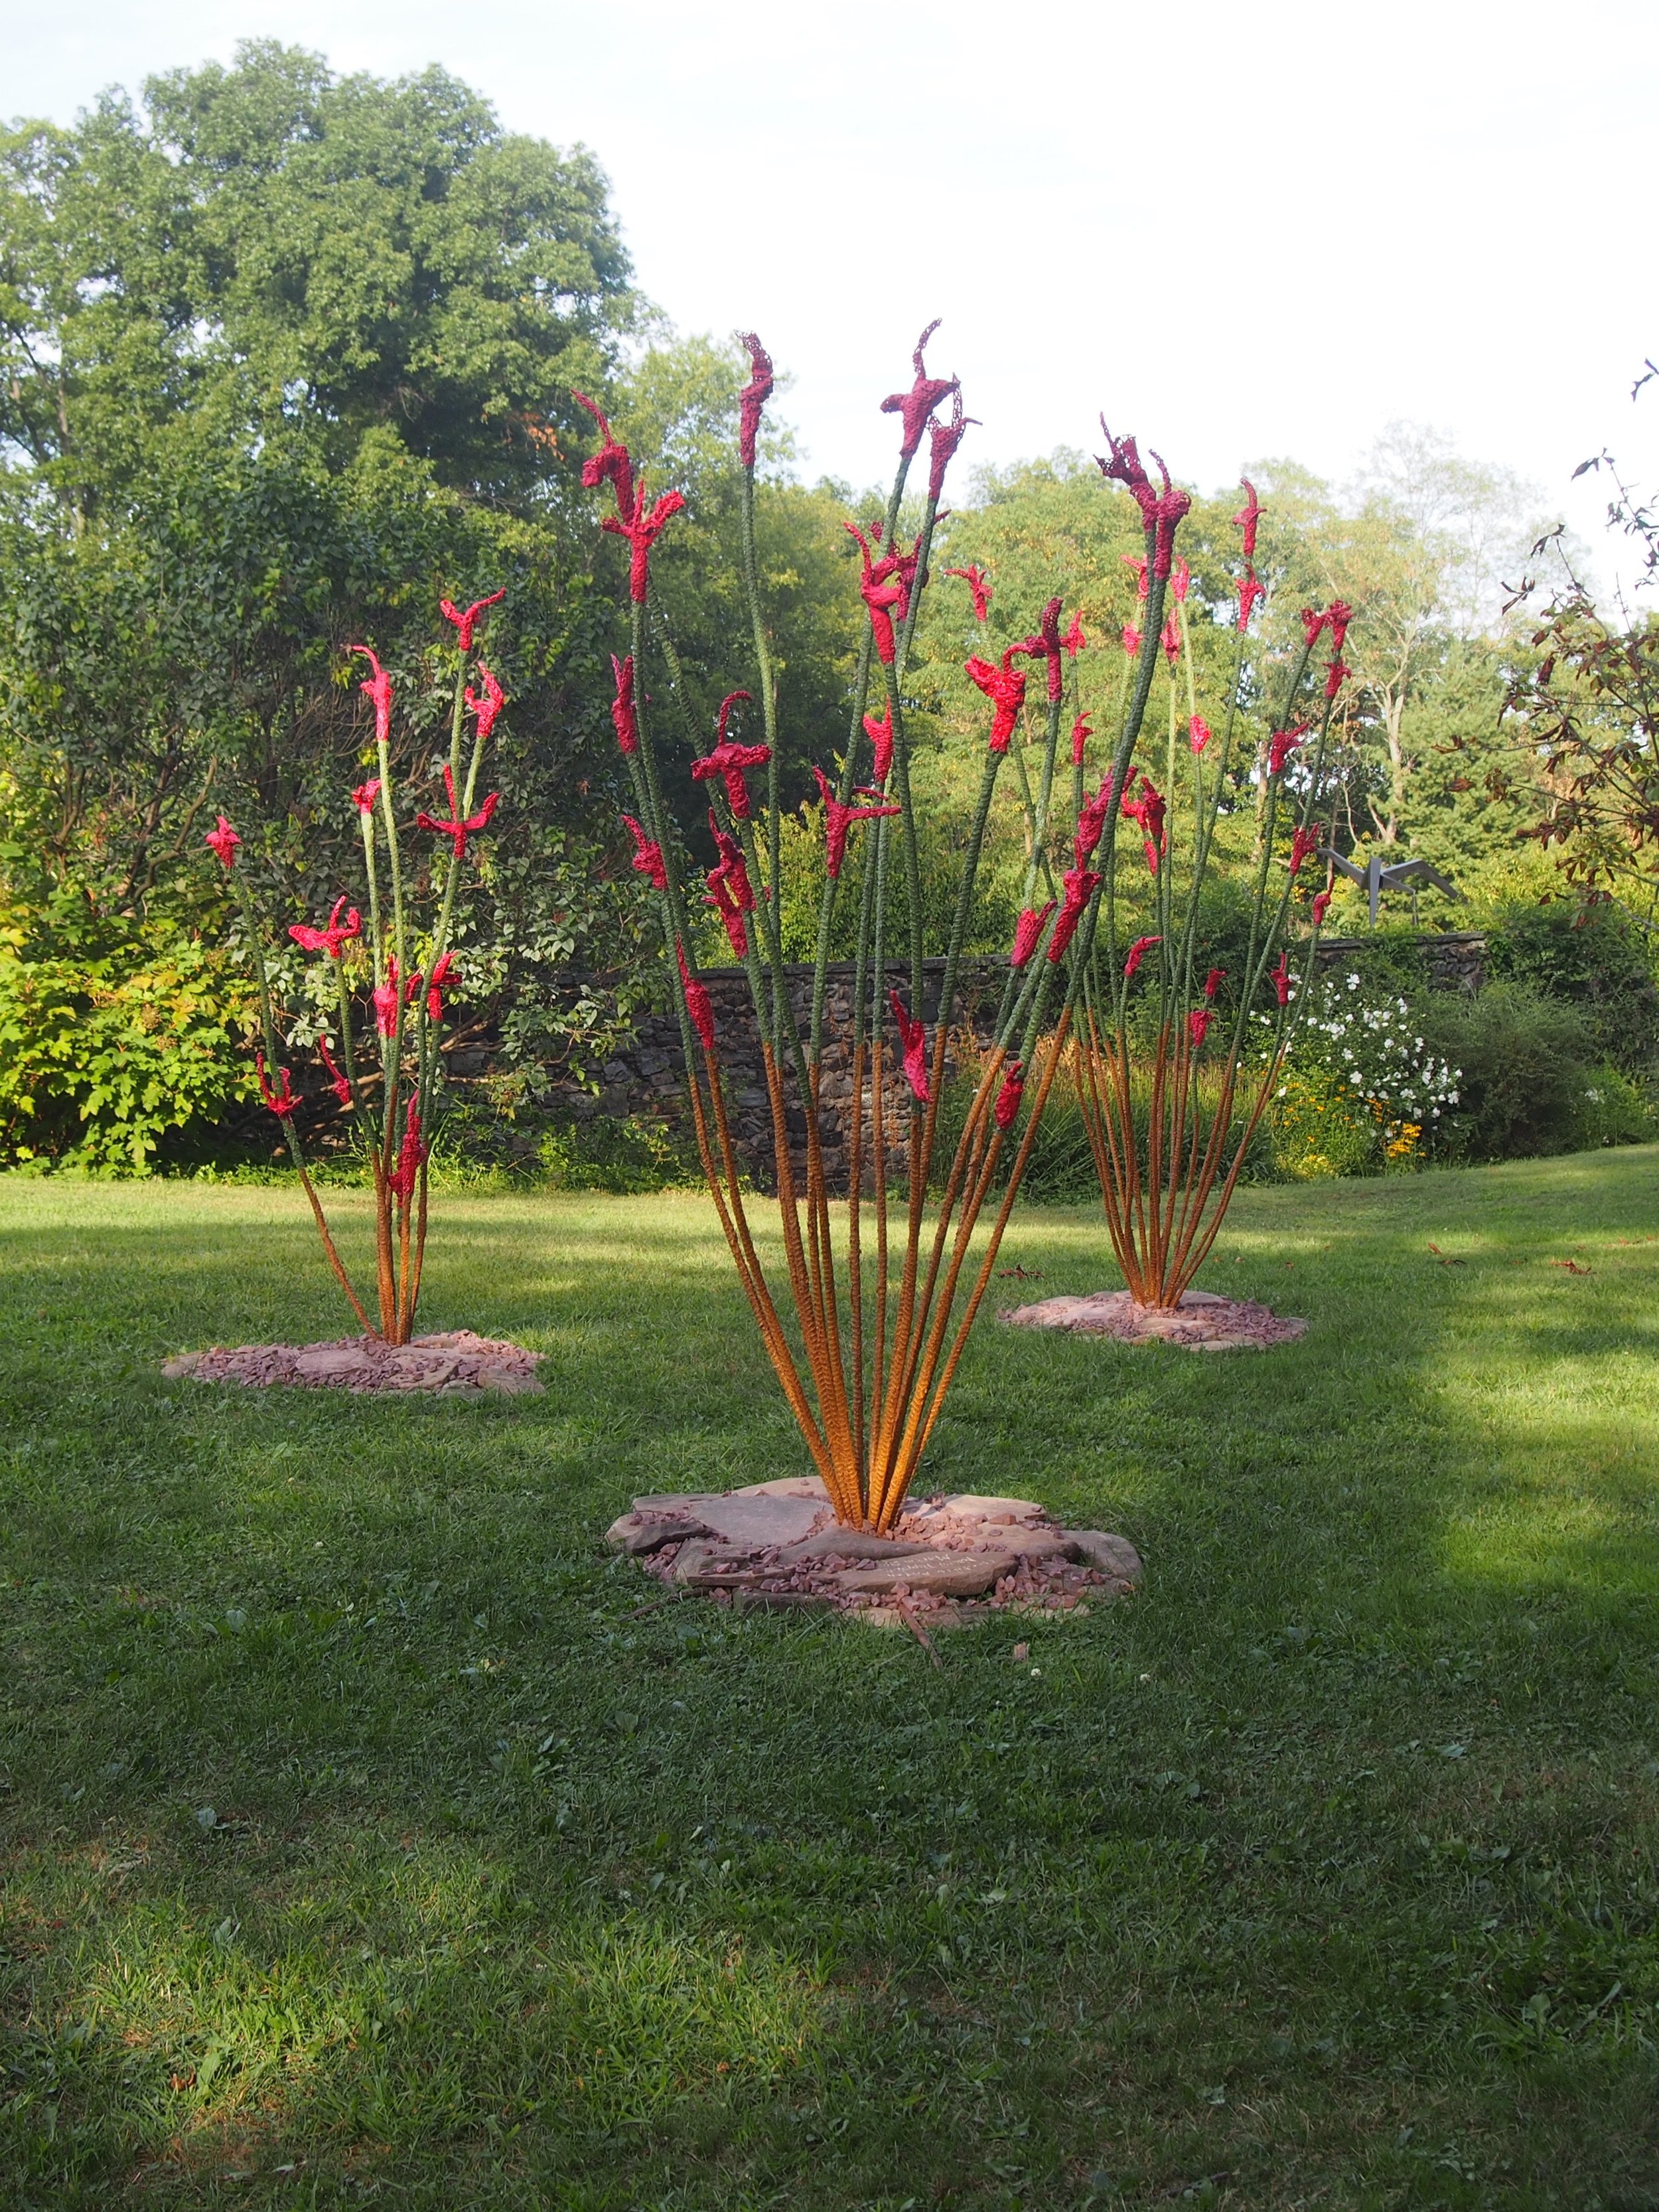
(1362, 1086)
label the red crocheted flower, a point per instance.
(838, 819)
(1131, 640)
(880, 734)
(411, 1157)
(1081, 735)
(1137, 562)
(1280, 977)
(223, 839)
(978, 585)
(1213, 981)
(337, 1083)
(1079, 886)
(436, 984)
(1005, 688)
(1028, 932)
(1046, 641)
(1138, 952)
(1303, 843)
(643, 530)
(880, 596)
(1148, 810)
(1249, 517)
(697, 1003)
(622, 706)
(331, 940)
(1336, 675)
(378, 688)
(1340, 615)
(1198, 1025)
(1092, 821)
(1007, 1110)
(1321, 905)
(1249, 589)
(914, 406)
(943, 441)
(465, 619)
(364, 796)
(457, 829)
(729, 761)
(753, 398)
(282, 1102)
(611, 465)
(490, 705)
(1282, 744)
(913, 1040)
(647, 856)
(1198, 732)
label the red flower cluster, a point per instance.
(364, 796)
(697, 1005)
(337, 1083)
(913, 1041)
(647, 856)
(731, 893)
(611, 465)
(643, 530)
(1249, 519)
(1198, 1025)
(1161, 509)
(753, 398)
(282, 1102)
(1138, 952)
(1047, 640)
(1280, 977)
(465, 620)
(1198, 732)
(331, 940)
(1148, 810)
(1282, 744)
(223, 839)
(1303, 843)
(914, 406)
(1007, 1110)
(378, 688)
(1131, 640)
(457, 829)
(436, 983)
(622, 706)
(411, 1157)
(880, 595)
(1028, 932)
(838, 819)
(1091, 820)
(943, 441)
(1212, 980)
(387, 997)
(1081, 735)
(880, 734)
(489, 706)
(729, 761)
(1005, 688)
(1321, 902)
(1079, 885)
(979, 585)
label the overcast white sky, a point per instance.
(1101, 202)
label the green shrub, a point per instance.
(1598, 963)
(113, 1036)
(1527, 1064)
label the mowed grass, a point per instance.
(362, 1845)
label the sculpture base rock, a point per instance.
(1201, 1323)
(951, 1559)
(454, 1364)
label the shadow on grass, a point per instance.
(358, 1827)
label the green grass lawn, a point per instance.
(360, 1844)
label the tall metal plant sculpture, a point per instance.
(875, 1329)
(390, 1092)
(1170, 1110)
